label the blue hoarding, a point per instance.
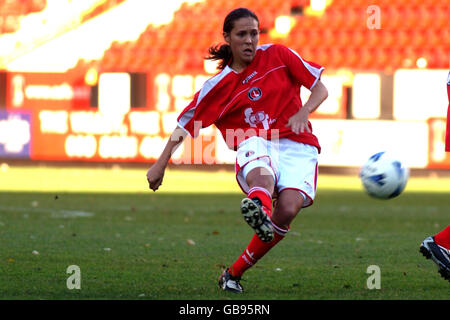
(15, 135)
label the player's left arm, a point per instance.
(299, 121)
(306, 74)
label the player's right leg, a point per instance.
(256, 208)
(256, 175)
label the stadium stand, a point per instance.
(13, 10)
(28, 24)
(339, 37)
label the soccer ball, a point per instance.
(384, 177)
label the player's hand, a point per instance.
(155, 176)
(299, 121)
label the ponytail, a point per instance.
(222, 52)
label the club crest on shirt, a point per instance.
(254, 93)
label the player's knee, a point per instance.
(260, 177)
(290, 210)
(286, 212)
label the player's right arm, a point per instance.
(155, 174)
(200, 113)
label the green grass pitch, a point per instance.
(132, 243)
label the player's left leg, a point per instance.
(288, 205)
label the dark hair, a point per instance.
(223, 52)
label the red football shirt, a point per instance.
(447, 133)
(258, 101)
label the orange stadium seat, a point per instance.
(335, 18)
(440, 58)
(329, 38)
(36, 5)
(343, 38)
(337, 58)
(401, 38)
(350, 56)
(380, 58)
(439, 15)
(357, 39)
(395, 59)
(354, 18)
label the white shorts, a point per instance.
(293, 165)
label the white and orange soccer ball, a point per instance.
(383, 176)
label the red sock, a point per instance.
(263, 195)
(443, 238)
(255, 250)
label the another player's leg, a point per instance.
(443, 238)
(437, 248)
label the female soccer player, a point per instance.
(255, 102)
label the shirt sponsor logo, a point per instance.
(254, 73)
(258, 117)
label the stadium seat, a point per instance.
(354, 18)
(380, 58)
(387, 38)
